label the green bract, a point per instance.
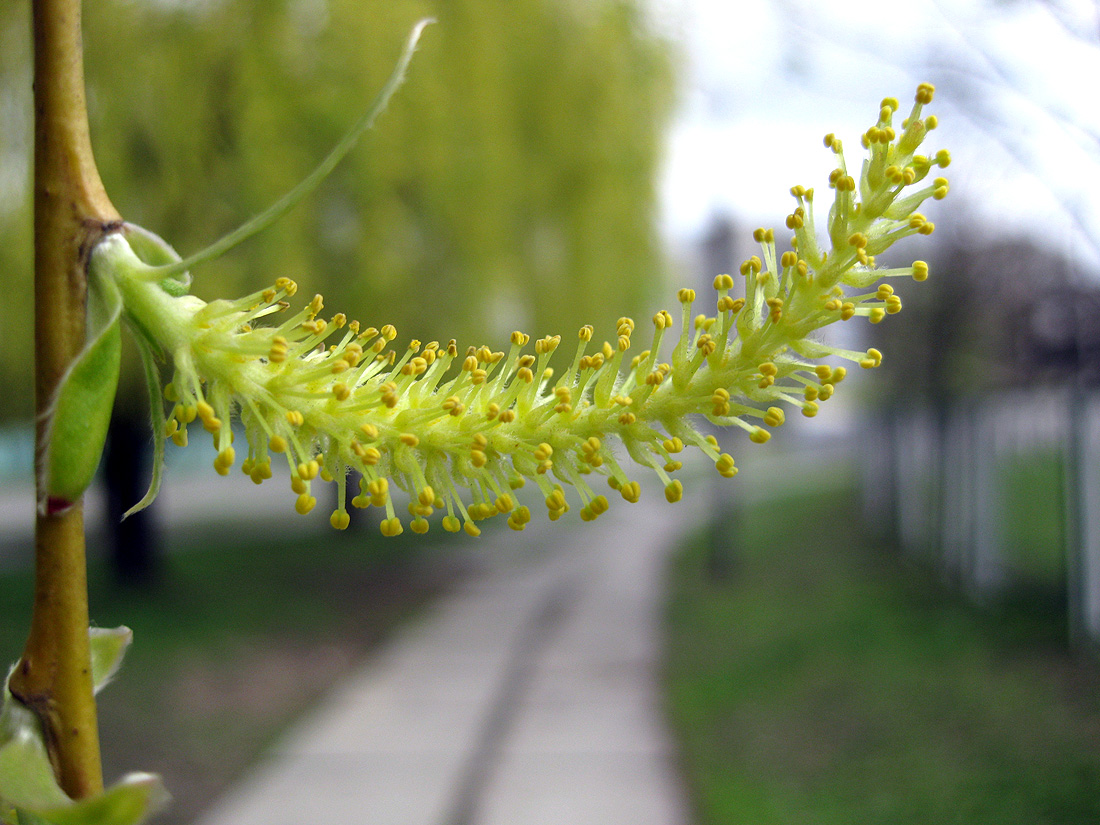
(81, 409)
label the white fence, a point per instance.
(1002, 494)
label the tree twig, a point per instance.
(71, 211)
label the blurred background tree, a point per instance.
(510, 185)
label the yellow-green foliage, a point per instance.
(518, 162)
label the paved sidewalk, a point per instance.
(528, 697)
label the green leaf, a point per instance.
(29, 793)
(108, 646)
(128, 802)
(26, 777)
(81, 410)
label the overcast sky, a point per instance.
(1016, 98)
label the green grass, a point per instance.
(824, 682)
(244, 631)
(1034, 523)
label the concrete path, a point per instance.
(527, 697)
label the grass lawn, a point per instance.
(238, 638)
(824, 681)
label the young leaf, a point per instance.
(108, 646)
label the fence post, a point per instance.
(986, 570)
(1083, 520)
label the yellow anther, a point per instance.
(556, 500)
(920, 271)
(775, 306)
(686, 296)
(451, 524)
(260, 472)
(857, 239)
(847, 311)
(723, 282)
(277, 444)
(674, 491)
(419, 525)
(409, 440)
(585, 333)
(809, 409)
(391, 527)
(631, 491)
(673, 466)
(286, 285)
(341, 390)
(224, 461)
(876, 316)
(873, 359)
(673, 445)
(295, 418)
(340, 519)
(471, 529)
(724, 466)
(548, 344)
(760, 435)
(768, 368)
(305, 503)
(774, 417)
(389, 332)
(925, 91)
